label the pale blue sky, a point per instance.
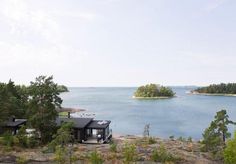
(118, 42)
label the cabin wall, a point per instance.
(1, 130)
(79, 134)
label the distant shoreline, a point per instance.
(73, 110)
(213, 94)
(161, 97)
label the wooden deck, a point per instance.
(93, 140)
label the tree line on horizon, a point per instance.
(222, 88)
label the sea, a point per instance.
(185, 115)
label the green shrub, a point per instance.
(73, 158)
(32, 142)
(155, 155)
(172, 137)
(8, 139)
(190, 139)
(129, 152)
(181, 139)
(1, 141)
(230, 151)
(151, 140)
(21, 135)
(113, 147)
(21, 160)
(162, 155)
(95, 158)
(60, 155)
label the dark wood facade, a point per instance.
(83, 128)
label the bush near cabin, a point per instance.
(153, 90)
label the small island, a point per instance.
(217, 90)
(153, 91)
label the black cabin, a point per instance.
(87, 128)
(12, 125)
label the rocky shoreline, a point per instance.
(188, 152)
(212, 94)
(161, 97)
(72, 110)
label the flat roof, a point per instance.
(78, 122)
(99, 124)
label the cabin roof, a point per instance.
(99, 124)
(15, 123)
(78, 122)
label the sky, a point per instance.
(118, 42)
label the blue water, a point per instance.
(185, 115)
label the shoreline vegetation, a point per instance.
(153, 91)
(211, 94)
(150, 98)
(66, 109)
(222, 89)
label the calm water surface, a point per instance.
(186, 115)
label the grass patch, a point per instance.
(95, 158)
(21, 160)
(63, 114)
(113, 147)
(163, 156)
(151, 140)
(129, 153)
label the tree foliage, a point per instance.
(63, 136)
(13, 101)
(60, 144)
(222, 88)
(230, 151)
(153, 90)
(43, 102)
(62, 88)
(37, 102)
(215, 135)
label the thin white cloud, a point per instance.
(206, 59)
(48, 51)
(213, 4)
(26, 21)
(88, 16)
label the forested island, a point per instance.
(153, 91)
(217, 89)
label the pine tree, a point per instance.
(43, 102)
(215, 135)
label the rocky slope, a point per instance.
(186, 152)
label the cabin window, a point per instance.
(107, 131)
